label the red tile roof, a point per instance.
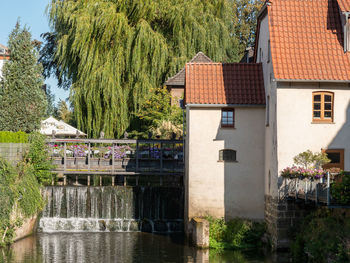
(307, 40)
(344, 5)
(217, 83)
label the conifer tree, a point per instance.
(22, 100)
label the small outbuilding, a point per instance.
(225, 140)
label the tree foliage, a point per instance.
(22, 100)
(157, 114)
(309, 159)
(38, 157)
(111, 52)
(64, 113)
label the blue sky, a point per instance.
(32, 14)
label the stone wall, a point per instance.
(12, 152)
(280, 217)
(27, 228)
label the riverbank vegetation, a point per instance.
(20, 184)
(236, 234)
(323, 236)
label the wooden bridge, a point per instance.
(117, 157)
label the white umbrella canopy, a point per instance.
(52, 126)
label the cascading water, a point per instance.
(109, 208)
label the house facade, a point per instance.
(303, 49)
(4, 56)
(225, 117)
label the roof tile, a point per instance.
(344, 5)
(307, 40)
(218, 83)
(179, 78)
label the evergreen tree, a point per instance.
(52, 110)
(22, 100)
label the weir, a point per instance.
(113, 209)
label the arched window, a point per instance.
(227, 155)
(322, 106)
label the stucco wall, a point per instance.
(297, 133)
(1, 65)
(271, 171)
(224, 189)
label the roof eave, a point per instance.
(313, 80)
(198, 105)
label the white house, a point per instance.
(303, 48)
(4, 56)
(225, 116)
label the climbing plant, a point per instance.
(111, 53)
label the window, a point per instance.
(227, 155)
(337, 158)
(322, 106)
(228, 118)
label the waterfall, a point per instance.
(112, 208)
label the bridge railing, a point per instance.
(310, 190)
(103, 156)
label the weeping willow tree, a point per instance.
(112, 52)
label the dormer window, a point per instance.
(2, 51)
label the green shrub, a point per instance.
(322, 237)
(38, 156)
(235, 234)
(30, 199)
(340, 190)
(8, 196)
(19, 192)
(13, 137)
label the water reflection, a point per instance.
(117, 247)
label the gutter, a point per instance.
(312, 80)
(225, 105)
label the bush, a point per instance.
(322, 237)
(13, 137)
(340, 189)
(29, 199)
(38, 156)
(235, 234)
(19, 193)
(8, 196)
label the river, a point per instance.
(122, 247)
